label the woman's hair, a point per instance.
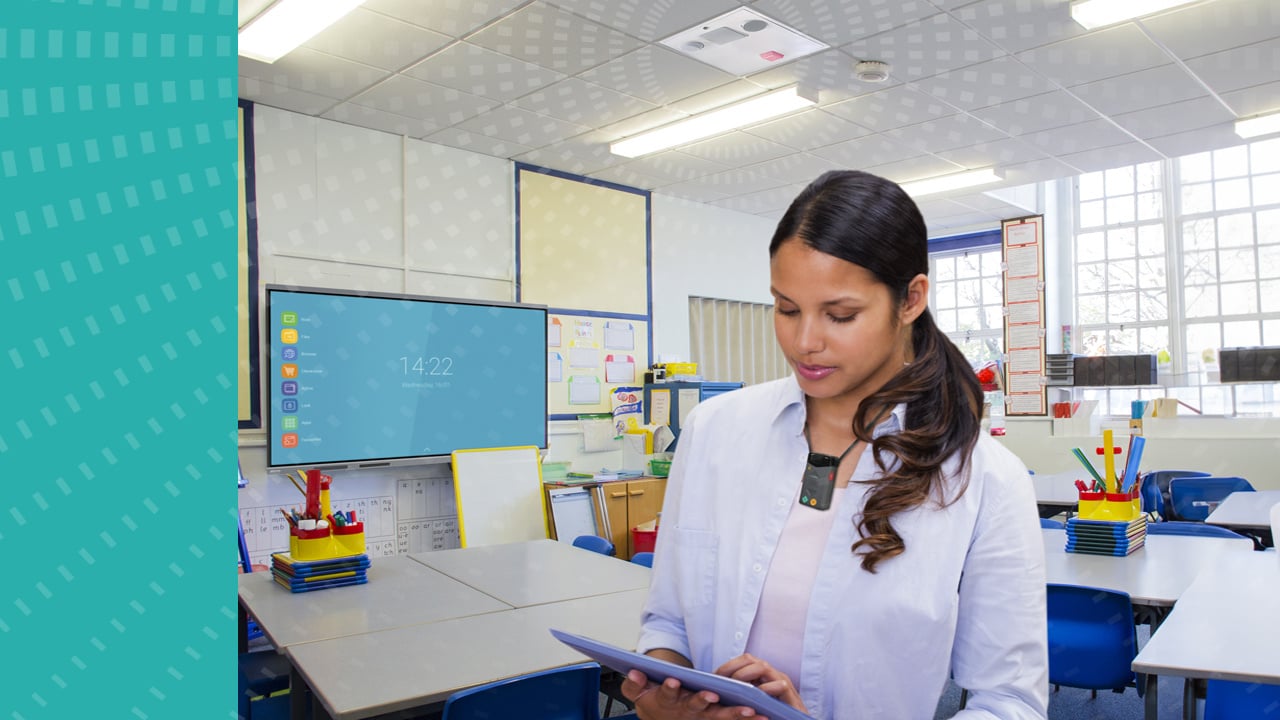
(872, 222)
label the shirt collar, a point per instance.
(791, 410)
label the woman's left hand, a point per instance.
(774, 682)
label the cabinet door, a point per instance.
(615, 506)
(644, 502)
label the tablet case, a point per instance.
(732, 692)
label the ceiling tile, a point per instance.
(1035, 171)
(554, 39)
(990, 83)
(1110, 157)
(830, 72)
(837, 23)
(736, 149)
(1078, 138)
(925, 47)
(718, 97)
(647, 20)
(692, 191)
(1174, 118)
(673, 166)
(656, 74)
(639, 123)
(772, 199)
(522, 127)
(363, 116)
(1117, 50)
(480, 71)
(440, 106)
(584, 103)
(1203, 28)
(315, 72)
(1017, 25)
(629, 177)
(1033, 114)
(374, 39)
(1240, 67)
(809, 130)
(866, 151)
(475, 142)
(1196, 141)
(946, 133)
(282, 97)
(1254, 100)
(916, 168)
(892, 108)
(451, 17)
(998, 152)
(584, 154)
(798, 168)
(1146, 88)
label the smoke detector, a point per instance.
(872, 71)
(742, 42)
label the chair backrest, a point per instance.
(594, 543)
(1052, 524)
(1186, 527)
(1228, 700)
(643, 558)
(1161, 479)
(1092, 640)
(567, 693)
(1194, 498)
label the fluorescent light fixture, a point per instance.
(1097, 13)
(289, 23)
(1260, 125)
(753, 110)
(954, 181)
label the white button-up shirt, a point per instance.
(967, 597)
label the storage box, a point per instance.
(643, 540)
(659, 467)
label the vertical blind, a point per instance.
(733, 341)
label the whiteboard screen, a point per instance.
(499, 494)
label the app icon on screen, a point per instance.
(289, 422)
(289, 405)
(289, 387)
(289, 440)
(289, 370)
(288, 336)
(288, 317)
(289, 353)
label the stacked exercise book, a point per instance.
(305, 575)
(1106, 537)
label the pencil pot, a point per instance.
(349, 539)
(1117, 507)
(310, 544)
(1089, 503)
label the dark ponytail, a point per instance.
(871, 222)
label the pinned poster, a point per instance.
(619, 369)
(555, 367)
(584, 357)
(553, 332)
(619, 335)
(584, 390)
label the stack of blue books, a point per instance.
(306, 575)
(1105, 537)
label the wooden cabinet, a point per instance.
(628, 503)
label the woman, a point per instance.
(848, 583)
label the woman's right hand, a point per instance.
(669, 701)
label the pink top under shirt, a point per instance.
(777, 634)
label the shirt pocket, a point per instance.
(696, 554)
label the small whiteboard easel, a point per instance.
(499, 493)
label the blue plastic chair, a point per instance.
(1155, 490)
(1092, 639)
(643, 558)
(567, 693)
(1049, 524)
(261, 673)
(594, 543)
(1184, 527)
(1228, 700)
(1195, 497)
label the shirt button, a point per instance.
(737, 636)
(781, 502)
(757, 567)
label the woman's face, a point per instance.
(837, 324)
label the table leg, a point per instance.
(242, 616)
(299, 693)
(1189, 699)
(1151, 704)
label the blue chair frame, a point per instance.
(1092, 638)
(1230, 700)
(1050, 524)
(643, 558)
(595, 543)
(567, 693)
(1186, 527)
(1155, 490)
(1195, 497)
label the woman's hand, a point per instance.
(669, 701)
(772, 681)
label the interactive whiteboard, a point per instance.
(500, 497)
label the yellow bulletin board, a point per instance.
(582, 245)
(594, 354)
(250, 411)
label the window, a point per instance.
(733, 341)
(967, 300)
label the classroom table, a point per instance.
(1056, 492)
(1223, 627)
(1249, 511)
(1155, 575)
(422, 665)
(536, 572)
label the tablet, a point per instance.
(732, 692)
